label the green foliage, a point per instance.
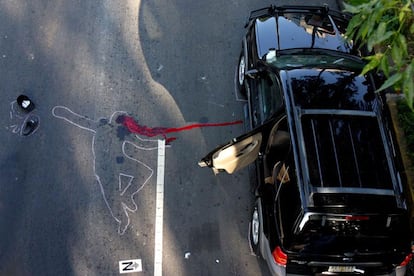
(386, 29)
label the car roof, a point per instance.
(291, 27)
(341, 144)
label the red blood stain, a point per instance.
(134, 127)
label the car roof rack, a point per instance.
(317, 9)
(274, 10)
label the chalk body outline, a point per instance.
(88, 125)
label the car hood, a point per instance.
(299, 31)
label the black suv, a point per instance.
(330, 194)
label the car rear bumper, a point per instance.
(278, 270)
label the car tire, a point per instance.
(240, 74)
(254, 231)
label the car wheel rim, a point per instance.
(242, 68)
(255, 227)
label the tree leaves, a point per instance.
(396, 54)
(403, 43)
(382, 26)
(390, 81)
(379, 36)
(408, 84)
(373, 63)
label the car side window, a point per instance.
(270, 96)
(287, 201)
(279, 156)
(278, 144)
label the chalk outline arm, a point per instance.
(75, 119)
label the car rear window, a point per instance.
(297, 30)
(345, 151)
(311, 21)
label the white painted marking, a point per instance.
(159, 209)
(130, 266)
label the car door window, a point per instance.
(279, 157)
(287, 201)
(270, 98)
(278, 144)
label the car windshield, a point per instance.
(310, 59)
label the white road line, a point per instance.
(159, 211)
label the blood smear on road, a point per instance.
(130, 123)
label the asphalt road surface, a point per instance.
(82, 193)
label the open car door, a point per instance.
(235, 155)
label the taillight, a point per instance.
(407, 259)
(279, 256)
(356, 218)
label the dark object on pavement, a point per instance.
(25, 103)
(30, 125)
